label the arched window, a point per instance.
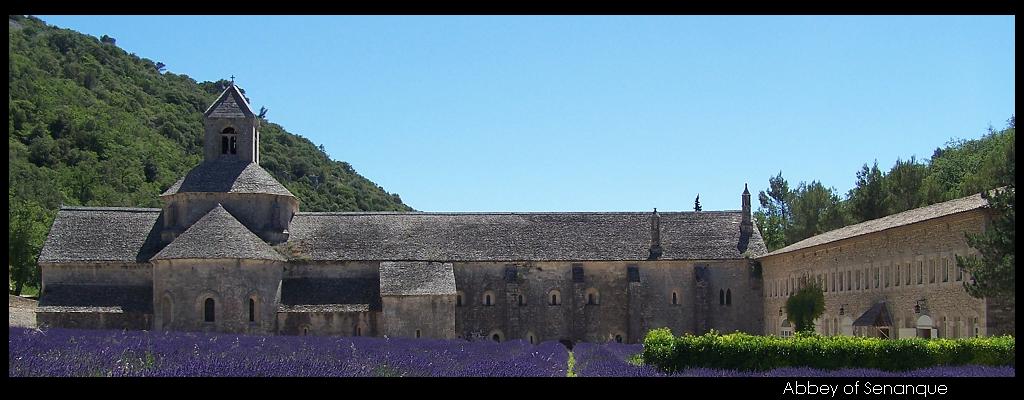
(556, 297)
(533, 339)
(521, 302)
(208, 310)
(728, 297)
(458, 300)
(675, 298)
(496, 338)
(618, 338)
(305, 330)
(417, 333)
(593, 297)
(488, 298)
(721, 297)
(252, 310)
(228, 141)
(359, 330)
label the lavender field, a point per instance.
(86, 353)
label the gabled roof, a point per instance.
(409, 278)
(225, 175)
(877, 315)
(90, 234)
(230, 104)
(325, 294)
(892, 221)
(218, 235)
(580, 236)
(96, 298)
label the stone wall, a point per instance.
(856, 261)
(180, 288)
(620, 309)
(432, 316)
(329, 323)
(128, 274)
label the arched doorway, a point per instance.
(924, 327)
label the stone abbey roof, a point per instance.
(225, 175)
(82, 234)
(218, 235)
(230, 104)
(102, 234)
(411, 278)
(96, 298)
(446, 237)
(326, 294)
(892, 221)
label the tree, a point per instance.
(263, 113)
(815, 209)
(993, 274)
(160, 66)
(27, 226)
(867, 199)
(903, 185)
(806, 305)
(696, 203)
(773, 215)
(108, 39)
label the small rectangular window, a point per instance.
(931, 271)
(577, 273)
(920, 272)
(959, 273)
(877, 278)
(633, 273)
(887, 272)
(908, 276)
(945, 270)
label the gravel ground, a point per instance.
(22, 311)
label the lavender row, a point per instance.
(68, 352)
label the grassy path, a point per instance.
(572, 364)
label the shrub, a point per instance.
(741, 351)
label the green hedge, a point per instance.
(740, 351)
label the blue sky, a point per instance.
(599, 113)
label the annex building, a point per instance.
(230, 251)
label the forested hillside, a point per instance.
(90, 124)
(789, 214)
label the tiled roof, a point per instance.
(706, 235)
(230, 104)
(409, 278)
(218, 235)
(892, 221)
(97, 298)
(83, 234)
(326, 294)
(226, 175)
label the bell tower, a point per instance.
(231, 129)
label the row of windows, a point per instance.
(593, 298)
(937, 271)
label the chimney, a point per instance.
(746, 227)
(655, 251)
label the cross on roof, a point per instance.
(232, 79)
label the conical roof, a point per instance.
(230, 104)
(218, 235)
(227, 175)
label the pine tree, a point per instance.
(696, 203)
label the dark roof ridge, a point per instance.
(352, 213)
(124, 209)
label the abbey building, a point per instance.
(230, 251)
